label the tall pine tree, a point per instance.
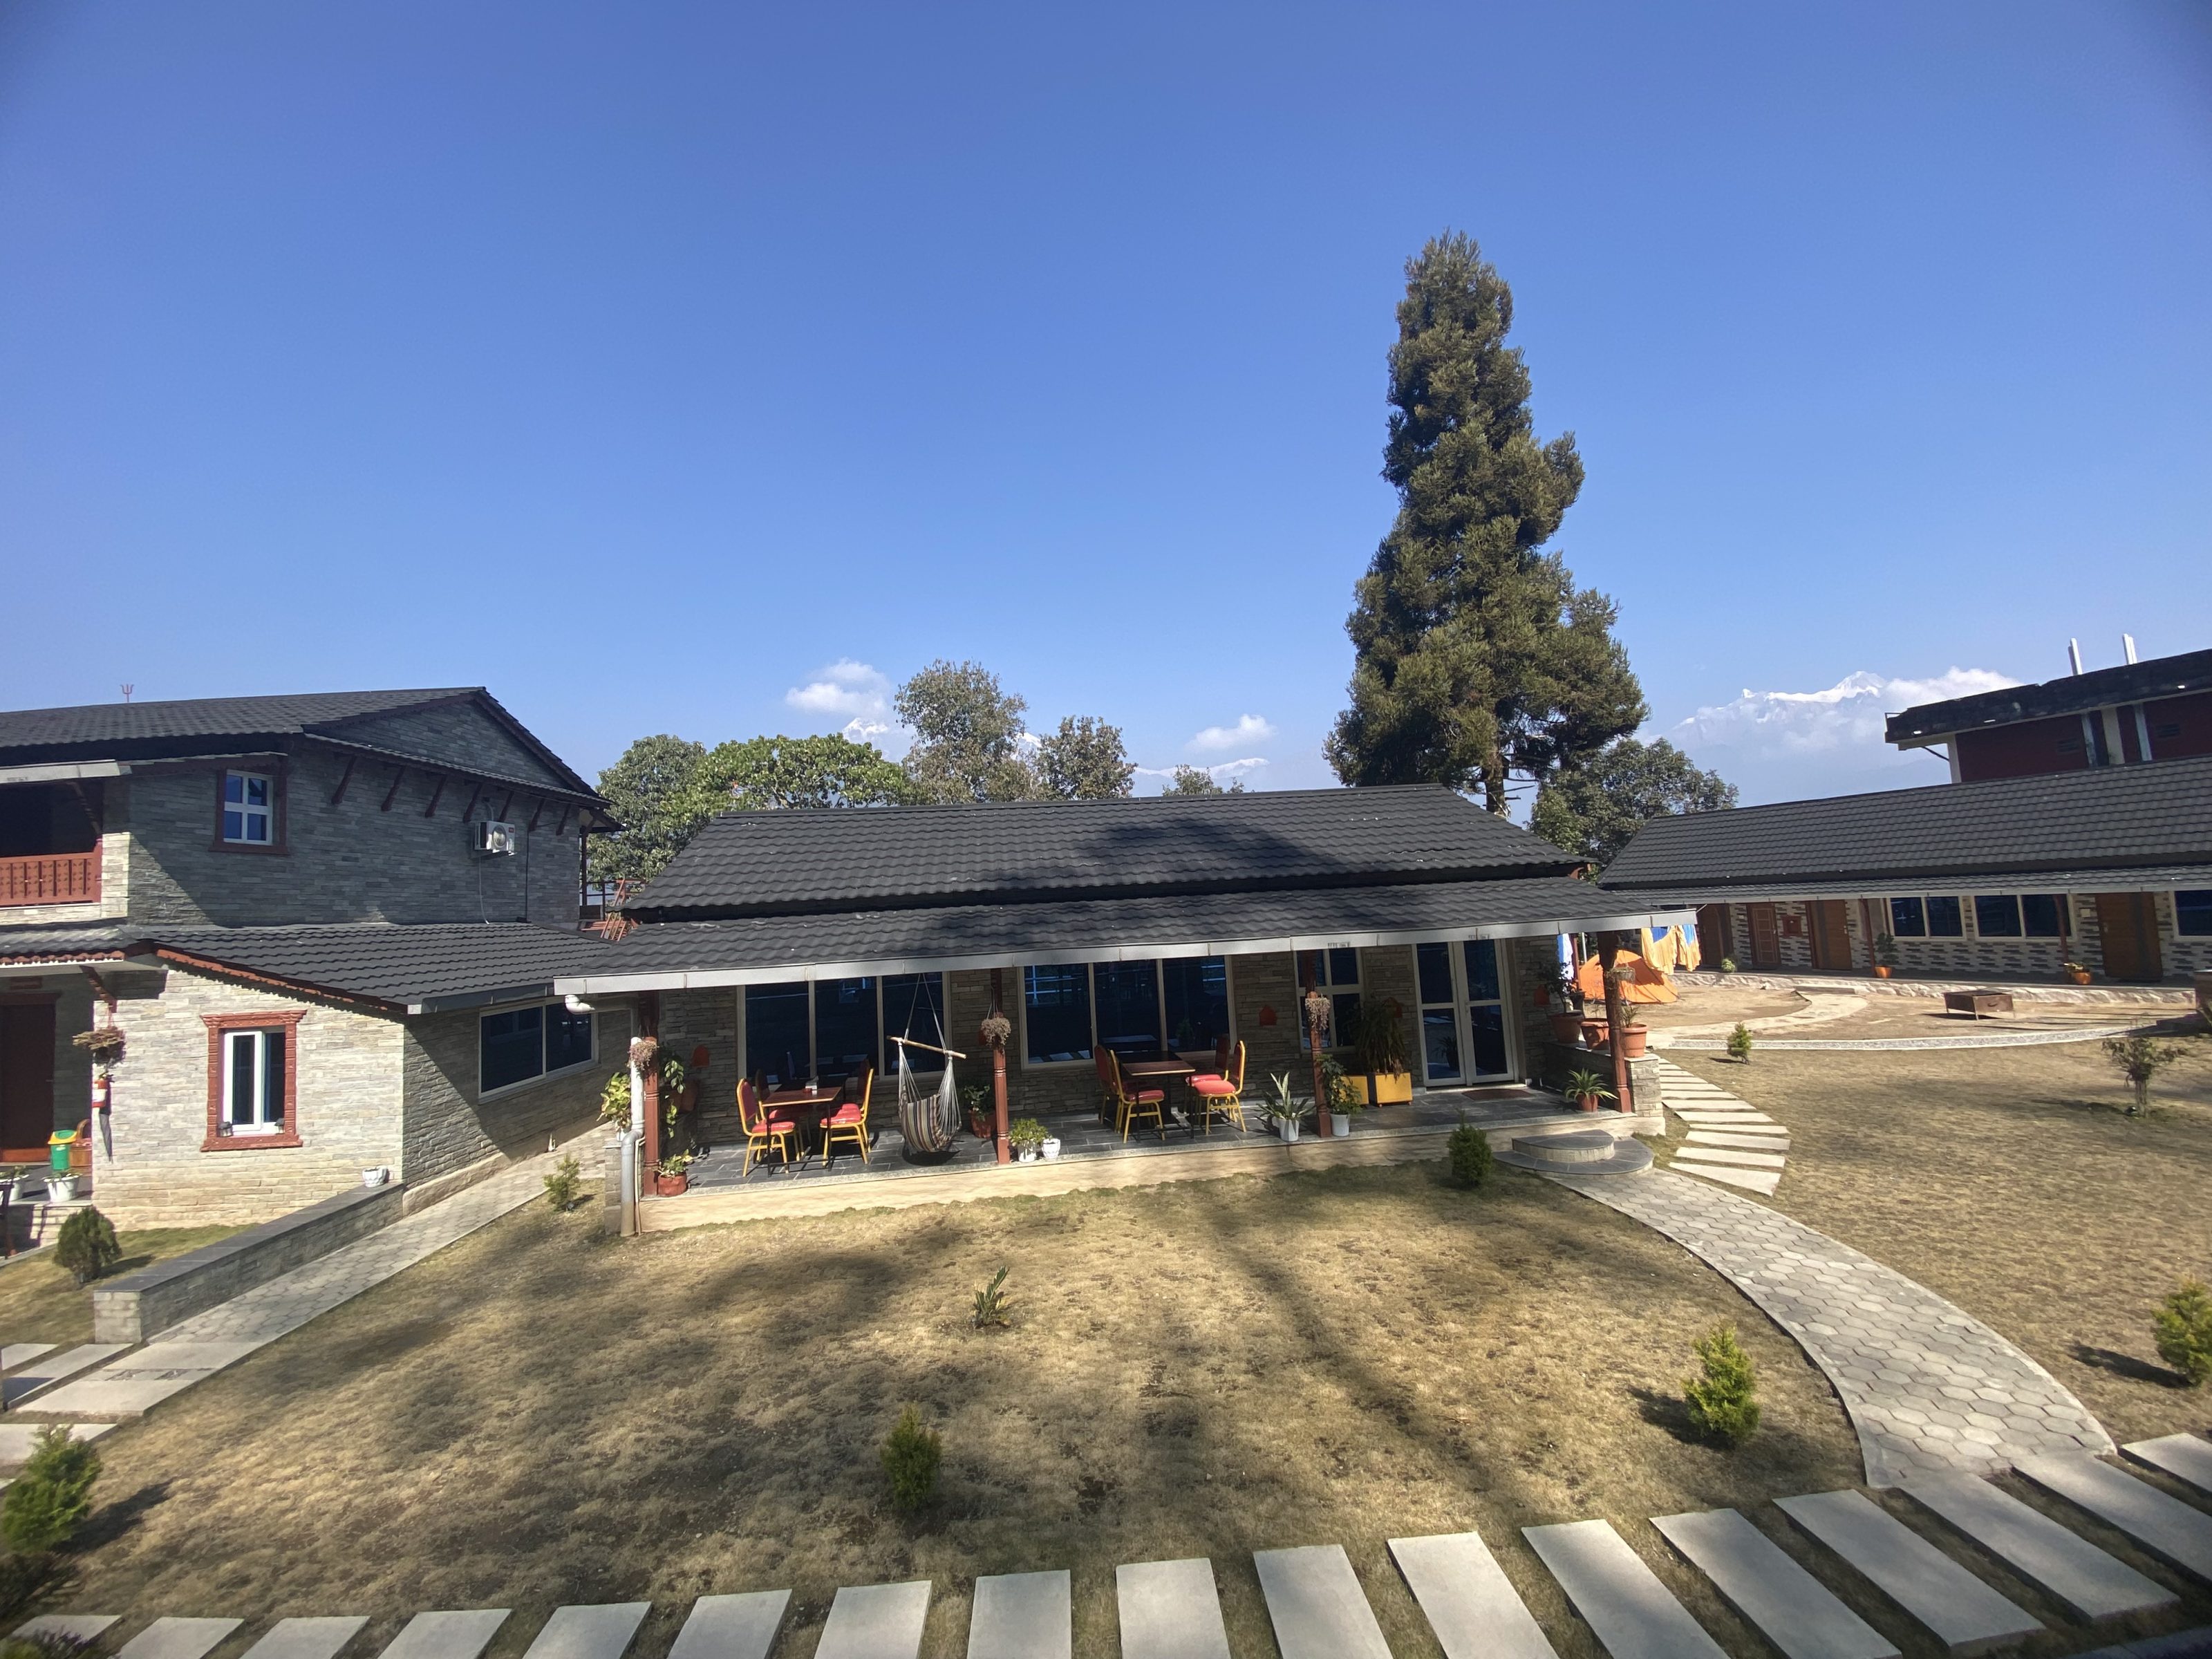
(1478, 658)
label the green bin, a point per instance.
(57, 1150)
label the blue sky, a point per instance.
(708, 368)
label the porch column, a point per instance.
(1616, 1023)
(996, 1029)
(648, 1025)
(1316, 1008)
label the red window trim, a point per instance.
(217, 1026)
(280, 814)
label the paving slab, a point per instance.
(1793, 1609)
(1315, 1605)
(306, 1638)
(876, 1622)
(1469, 1603)
(22, 1353)
(1704, 1120)
(1965, 1614)
(18, 1440)
(1633, 1615)
(76, 1626)
(447, 1635)
(2170, 1529)
(731, 1626)
(1022, 1615)
(600, 1630)
(1730, 1138)
(2038, 1549)
(178, 1638)
(47, 1372)
(1763, 1182)
(1169, 1610)
(2184, 1456)
(1733, 1156)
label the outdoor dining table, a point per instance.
(1158, 1074)
(806, 1104)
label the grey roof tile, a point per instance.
(2075, 694)
(398, 964)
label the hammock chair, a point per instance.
(929, 1121)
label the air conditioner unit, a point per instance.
(494, 837)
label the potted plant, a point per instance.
(1634, 1033)
(1027, 1137)
(1566, 1009)
(671, 1178)
(1885, 955)
(1586, 1088)
(1050, 1147)
(1284, 1109)
(1346, 1096)
(976, 1098)
(2078, 972)
(1728, 964)
(1593, 1033)
(1380, 1053)
(61, 1189)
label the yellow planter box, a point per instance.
(1391, 1089)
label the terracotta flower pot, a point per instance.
(1632, 1039)
(1882, 970)
(1588, 1103)
(1593, 1033)
(2079, 976)
(670, 1186)
(1566, 1027)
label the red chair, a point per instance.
(1225, 1094)
(1109, 1090)
(1129, 1106)
(850, 1121)
(762, 1131)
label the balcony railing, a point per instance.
(51, 878)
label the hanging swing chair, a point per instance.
(928, 1120)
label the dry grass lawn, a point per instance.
(539, 1415)
(40, 1302)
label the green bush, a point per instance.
(566, 1184)
(1723, 1402)
(1469, 1155)
(1739, 1042)
(2184, 1325)
(87, 1247)
(911, 1454)
(49, 1499)
(2139, 1059)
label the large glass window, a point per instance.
(1485, 1006)
(1127, 999)
(248, 809)
(568, 1039)
(1335, 973)
(1440, 1052)
(777, 1043)
(253, 1082)
(1463, 1012)
(844, 1028)
(913, 1006)
(1908, 919)
(2193, 912)
(1195, 990)
(517, 1044)
(1996, 915)
(2040, 916)
(1056, 1012)
(1947, 919)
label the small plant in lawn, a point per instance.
(1723, 1403)
(1468, 1155)
(49, 1500)
(2184, 1324)
(1739, 1043)
(87, 1247)
(2140, 1059)
(565, 1185)
(991, 1303)
(911, 1454)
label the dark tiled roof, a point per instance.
(2135, 879)
(2076, 694)
(2107, 819)
(759, 863)
(1077, 929)
(402, 965)
(65, 943)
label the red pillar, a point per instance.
(1317, 1012)
(996, 1029)
(1616, 1021)
(649, 1024)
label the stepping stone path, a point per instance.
(731, 1626)
(1467, 1599)
(1930, 1389)
(1966, 1615)
(18, 1440)
(22, 1353)
(2166, 1527)
(306, 1638)
(1797, 1613)
(447, 1635)
(880, 1622)
(1315, 1603)
(21, 1385)
(2038, 1549)
(593, 1632)
(1634, 1615)
(1169, 1610)
(2184, 1456)
(1730, 1141)
(178, 1638)
(1022, 1615)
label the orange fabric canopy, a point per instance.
(1639, 981)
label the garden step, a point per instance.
(24, 1384)
(1730, 1155)
(2038, 1549)
(306, 1638)
(1704, 1119)
(1467, 1600)
(1633, 1615)
(1169, 1610)
(80, 1627)
(1315, 1603)
(1762, 1182)
(22, 1353)
(2169, 1529)
(1022, 1615)
(1796, 1611)
(601, 1631)
(1967, 1616)
(178, 1638)
(445, 1635)
(18, 1440)
(2184, 1456)
(731, 1626)
(876, 1622)
(1778, 1141)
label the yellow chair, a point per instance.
(762, 1132)
(1145, 1102)
(1224, 1093)
(850, 1121)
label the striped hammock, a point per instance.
(927, 1120)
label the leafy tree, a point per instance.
(1477, 657)
(778, 772)
(1593, 808)
(650, 789)
(1084, 760)
(968, 732)
(49, 1500)
(1197, 781)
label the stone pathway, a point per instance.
(1729, 1140)
(1930, 1389)
(1987, 1040)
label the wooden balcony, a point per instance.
(51, 878)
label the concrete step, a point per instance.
(178, 1638)
(2172, 1530)
(1762, 1182)
(1778, 1142)
(1965, 1614)
(1022, 1615)
(732, 1626)
(33, 1379)
(22, 1353)
(306, 1638)
(1793, 1609)
(79, 1628)
(1467, 1599)
(2184, 1456)
(1633, 1615)
(1315, 1605)
(447, 1635)
(602, 1630)
(876, 1622)
(1169, 1610)
(1731, 1156)
(2038, 1549)
(18, 1440)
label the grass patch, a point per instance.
(40, 1303)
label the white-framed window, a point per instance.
(516, 1046)
(1335, 975)
(1138, 1009)
(1463, 1027)
(249, 809)
(253, 1082)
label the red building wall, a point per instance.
(2191, 719)
(2027, 750)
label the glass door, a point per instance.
(1463, 1037)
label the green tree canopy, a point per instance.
(1197, 781)
(1477, 657)
(765, 773)
(1085, 760)
(650, 790)
(1593, 808)
(966, 736)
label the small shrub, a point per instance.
(49, 1499)
(1723, 1402)
(1583, 1083)
(565, 1185)
(991, 1303)
(87, 1247)
(1026, 1134)
(2184, 1325)
(1728, 964)
(1470, 1155)
(911, 1454)
(1739, 1042)
(2140, 1059)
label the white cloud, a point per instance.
(1250, 728)
(845, 687)
(1220, 771)
(862, 731)
(1846, 717)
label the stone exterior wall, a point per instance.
(114, 872)
(347, 1083)
(450, 1129)
(456, 732)
(1388, 974)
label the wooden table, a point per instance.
(1158, 1074)
(1977, 1003)
(806, 1106)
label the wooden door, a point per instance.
(27, 1080)
(1716, 935)
(1765, 937)
(1832, 934)
(2127, 923)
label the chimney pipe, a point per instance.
(2074, 654)
(2128, 647)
